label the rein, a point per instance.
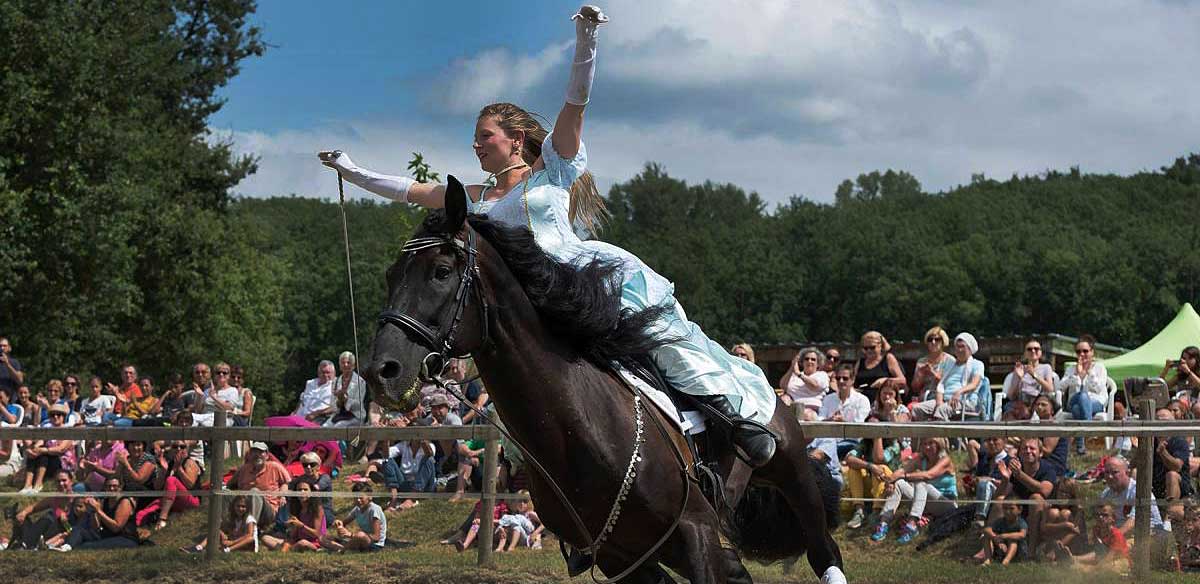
(440, 348)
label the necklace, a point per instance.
(495, 175)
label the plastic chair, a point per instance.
(20, 417)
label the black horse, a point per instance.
(542, 333)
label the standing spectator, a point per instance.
(128, 391)
(239, 529)
(987, 474)
(805, 382)
(42, 519)
(1183, 377)
(244, 414)
(267, 475)
(219, 396)
(71, 390)
(98, 464)
(47, 457)
(306, 524)
(932, 367)
(1087, 384)
(12, 374)
(112, 522)
(52, 397)
(877, 366)
(1029, 378)
(1172, 481)
(178, 475)
(1121, 492)
(1032, 479)
(95, 409)
(957, 385)
(845, 405)
(370, 524)
(349, 394)
(316, 401)
(929, 481)
(1005, 537)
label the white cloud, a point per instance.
(790, 97)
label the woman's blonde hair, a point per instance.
(745, 347)
(587, 206)
(942, 442)
(884, 346)
(938, 332)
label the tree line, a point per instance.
(120, 241)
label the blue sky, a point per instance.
(782, 97)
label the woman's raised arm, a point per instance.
(568, 128)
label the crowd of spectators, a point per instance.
(1020, 484)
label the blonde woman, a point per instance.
(877, 366)
(538, 180)
(743, 351)
(929, 481)
(931, 368)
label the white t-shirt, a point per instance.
(854, 409)
(93, 409)
(315, 397)
(363, 519)
(1123, 505)
(801, 393)
(1029, 385)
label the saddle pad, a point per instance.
(690, 422)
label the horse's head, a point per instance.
(435, 309)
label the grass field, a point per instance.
(427, 561)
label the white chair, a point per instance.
(1105, 416)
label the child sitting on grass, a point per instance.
(1189, 552)
(239, 530)
(1004, 538)
(1106, 542)
(369, 522)
(520, 527)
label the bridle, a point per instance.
(441, 344)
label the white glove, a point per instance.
(384, 185)
(583, 67)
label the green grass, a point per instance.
(430, 562)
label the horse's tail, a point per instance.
(765, 528)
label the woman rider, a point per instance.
(540, 182)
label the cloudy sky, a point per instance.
(781, 97)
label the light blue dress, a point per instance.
(695, 364)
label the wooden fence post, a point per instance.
(1145, 484)
(491, 457)
(216, 470)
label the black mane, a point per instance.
(580, 305)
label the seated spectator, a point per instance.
(465, 537)
(178, 475)
(845, 405)
(127, 391)
(316, 401)
(470, 460)
(47, 457)
(1172, 481)
(33, 415)
(1183, 378)
(112, 524)
(11, 461)
(1030, 479)
(79, 516)
(98, 464)
(310, 462)
(1063, 523)
(868, 467)
(306, 524)
(833, 358)
(52, 397)
(11, 414)
(135, 466)
(244, 414)
(201, 383)
(929, 481)
(219, 396)
(824, 451)
(1106, 542)
(878, 367)
(239, 529)
(71, 389)
(1029, 378)
(365, 528)
(743, 351)
(141, 411)
(957, 386)
(42, 519)
(805, 383)
(1004, 538)
(986, 463)
(932, 367)
(523, 527)
(349, 394)
(1121, 492)
(887, 406)
(186, 419)
(1054, 448)
(1189, 553)
(12, 374)
(411, 470)
(268, 476)
(172, 401)
(1087, 384)
(476, 394)
(95, 409)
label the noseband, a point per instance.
(440, 345)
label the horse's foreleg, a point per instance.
(696, 551)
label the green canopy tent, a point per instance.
(1148, 359)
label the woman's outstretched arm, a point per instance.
(568, 128)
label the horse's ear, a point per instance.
(456, 205)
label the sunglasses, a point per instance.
(832, 357)
(71, 384)
(933, 340)
(222, 373)
(310, 464)
(57, 415)
(843, 378)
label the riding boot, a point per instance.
(756, 442)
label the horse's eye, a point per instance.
(442, 272)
